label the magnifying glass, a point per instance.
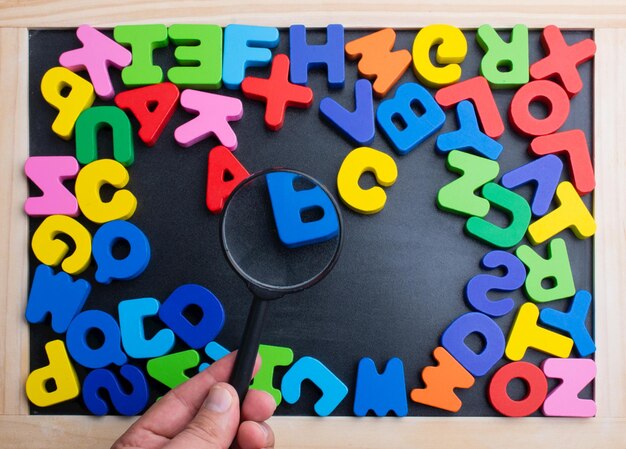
(281, 231)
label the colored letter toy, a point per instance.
(525, 333)
(453, 340)
(111, 267)
(536, 385)
(544, 173)
(458, 196)
(170, 369)
(80, 97)
(50, 250)
(378, 62)
(127, 404)
(214, 113)
(555, 268)
(571, 213)
(304, 56)
(91, 122)
(57, 295)
(477, 90)
(357, 162)
(88, 184)
(551, 95)
(277, 93)
(271, 357)
(224, 173)
(573, 322)
(96, 55)
(48, 173)
(143, 39)
(562, 60)
(381, 393)
(414, 129)
(132, 313)
(82, 350)
(468, 136)
(246, 46)
(441, 380)
(505, 64)
(333, 389)
(358, 125)
(60, 370)
(575, 374)
(199, 55)
(574, 144)
(207, 328)
(478, 287)
(514, 205)
(288, 204)
(216, 351)
(152, 106)
(451, 50)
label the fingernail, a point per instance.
(263, 428)
(219, 400)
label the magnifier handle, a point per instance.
(246, 355)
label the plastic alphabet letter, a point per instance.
(80, 349)
(357, 162)
(57, 295)
(358, 125)
(80, 97)
(478, 287)
(288, 204)
(131, 314)
(214, 112)
(143, 40)
(555, 267)
(97, 54)
(48, 173)
(224, 173)
(170, 369)
(551, 95)
(271, 357)
(536, 384)
(575, 374)
(459, 195)
(91, 122)
(60, 370)
(246, 46)
(441, 380)
(505, 64)
(381, 393)
(451, 51)
(333, 389)
(414, 129)
(127, 404)
(152, 106)
(573, 322)
(50, 250)
(304, 56)
(468, 136)
(90, 180)
(525, 333)
(378, 63)
(109, 266)
(207, 328)
(453, 340)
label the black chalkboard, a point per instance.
(400, 279)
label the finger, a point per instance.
(257, 406)
(254, 435)
(216, 423)
(169, 416)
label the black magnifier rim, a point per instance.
(272, 291)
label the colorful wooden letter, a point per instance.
(536, 385)
(551, 95)
(575, 374)
(131, 314)
(48, 173)
(224, 173)
(304, 56)
(505, 64)
(170, 369)
(127, 404)
(271, 357)
(451, 51)
(82, 350)
(381, 393)
(143, 40)
(91, 122)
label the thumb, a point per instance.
(216, 423)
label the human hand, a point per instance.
(203, 413)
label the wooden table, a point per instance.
(608, 18)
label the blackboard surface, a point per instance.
(400, 279)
